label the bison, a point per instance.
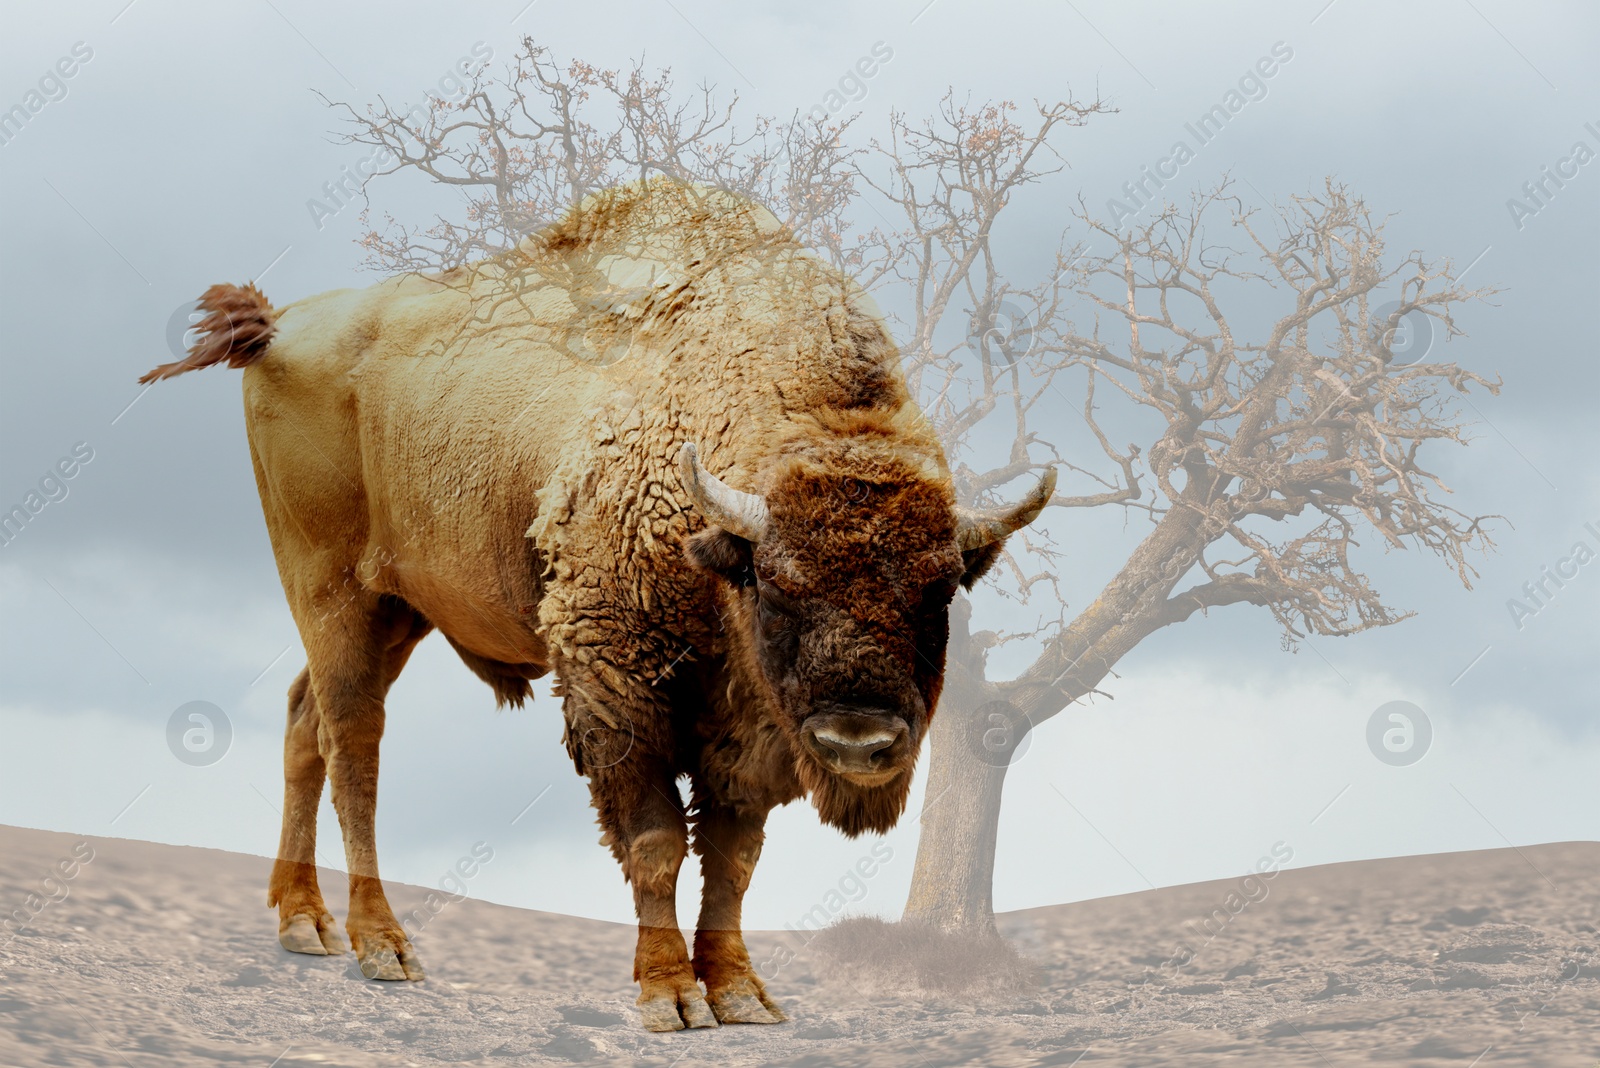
(660, 450)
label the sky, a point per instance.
(183, 150)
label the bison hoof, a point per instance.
(319, 936)
(747, 1008)
(382, 958)
(668, 1011)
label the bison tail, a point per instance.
(238, 327)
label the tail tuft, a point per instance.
(238, 328)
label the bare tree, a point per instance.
(523, 147)
(1265, 453)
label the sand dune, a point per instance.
(162, 955)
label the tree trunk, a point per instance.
(980, 727)
(971, 744)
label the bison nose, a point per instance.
(855, 743)
(854, 754)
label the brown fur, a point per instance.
(401, 457)
(237, 329)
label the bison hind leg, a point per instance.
(304, 923)
(354, 653)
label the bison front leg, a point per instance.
(729, 844)
(638, 804)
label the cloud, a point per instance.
(1198, 767)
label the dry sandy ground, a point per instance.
(162, 955)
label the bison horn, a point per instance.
(975, 529)
(735, 511)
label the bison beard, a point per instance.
(780, 639)
(854, 809)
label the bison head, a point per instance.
(841, 578)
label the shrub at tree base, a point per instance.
(914, 957)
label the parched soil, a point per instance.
(1479, 959)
